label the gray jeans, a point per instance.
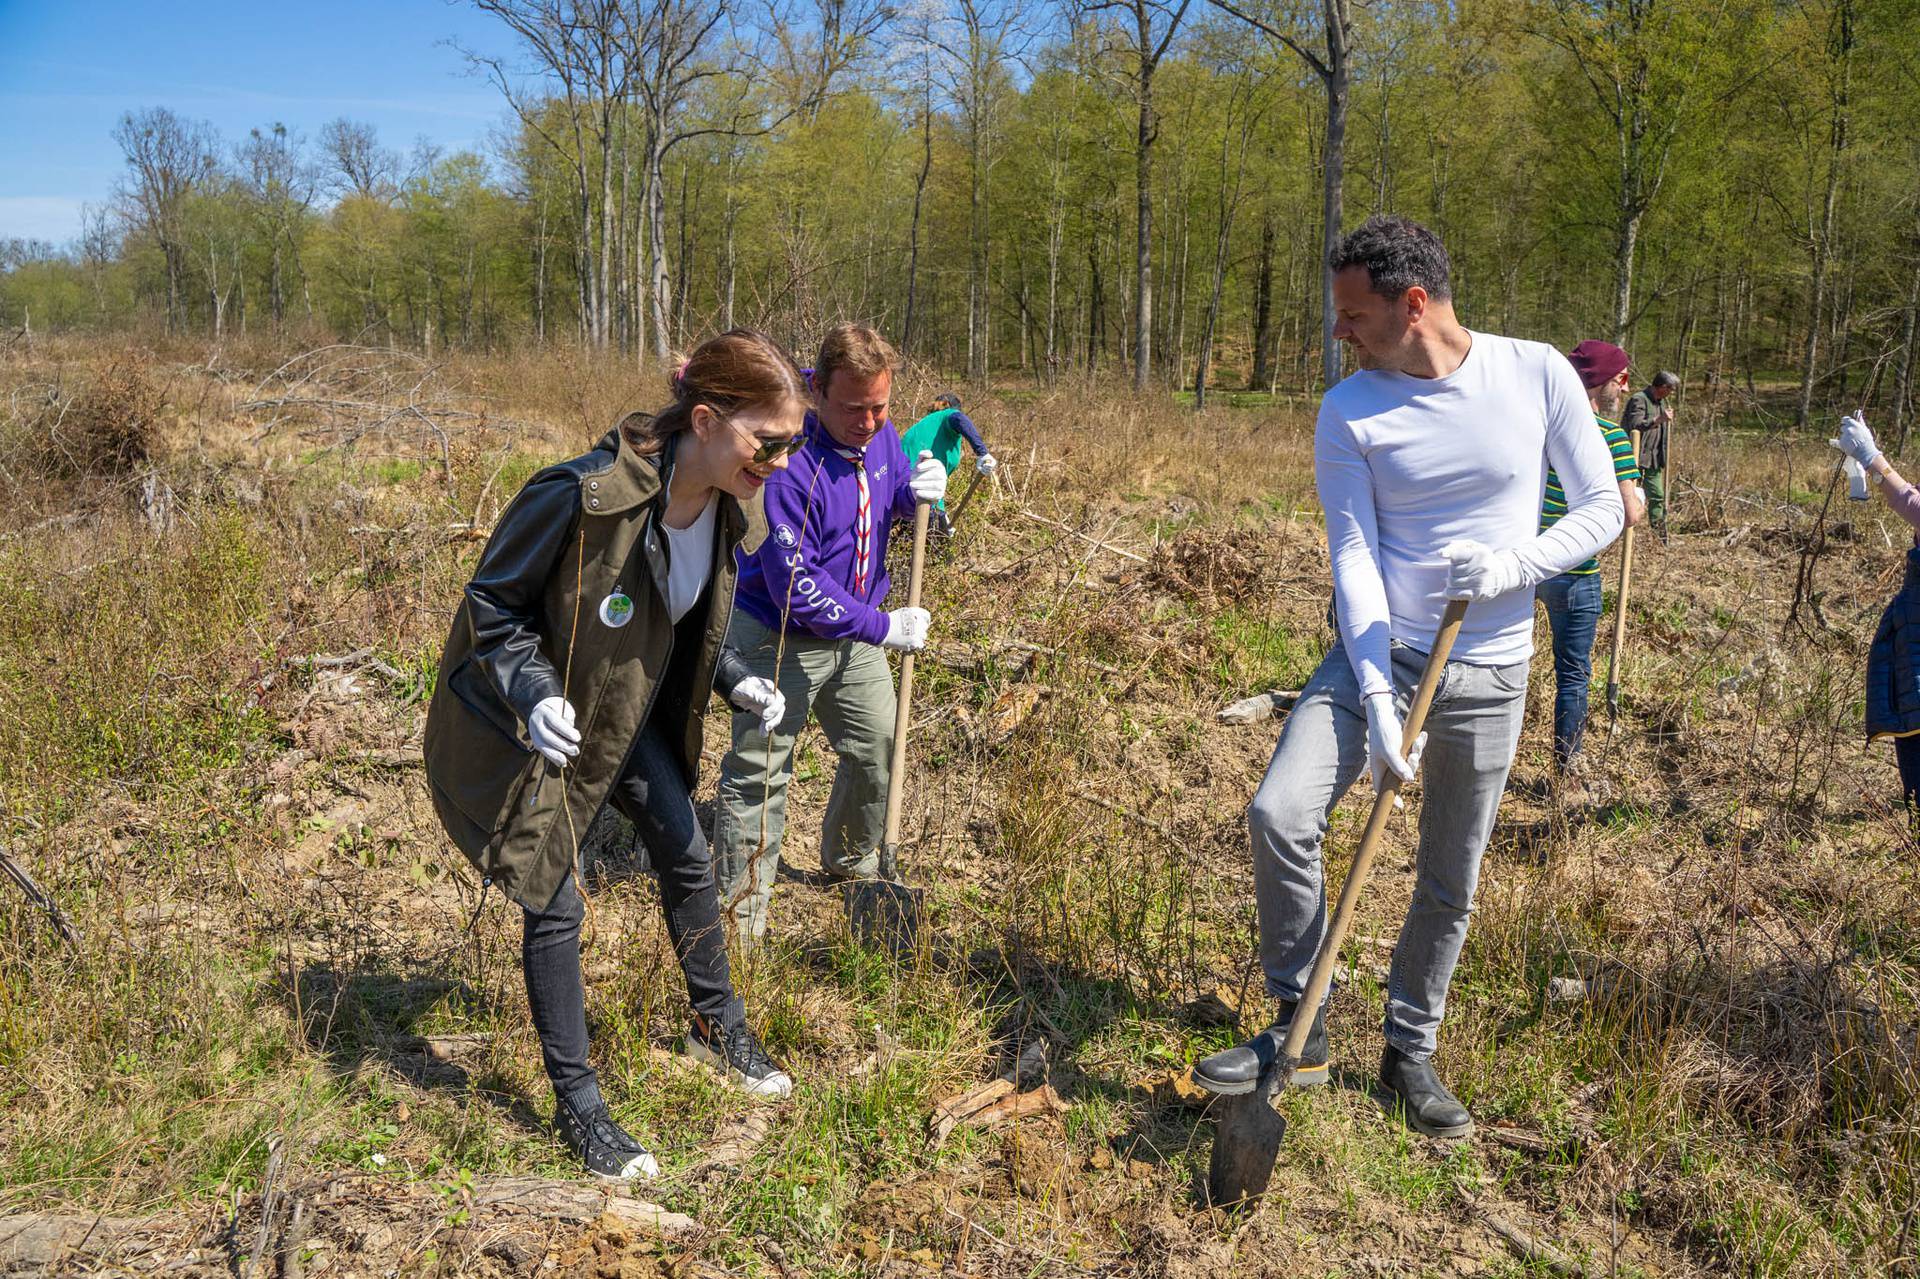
(1472, 730)
(848, 687)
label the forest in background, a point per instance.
(1030, 190)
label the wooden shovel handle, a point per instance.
(1620, 609)
(1322, 975)
(897, 771)
(953, 516)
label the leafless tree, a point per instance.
(168, 158)
(281, 183)
(1335, 69)
(912, 64)
(582, 49)
(1246, 107)
(1145, 29)
(695, 73)
(359, 164)
(818, 42)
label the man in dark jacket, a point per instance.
(1648, 418)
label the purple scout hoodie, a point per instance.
(805, 565)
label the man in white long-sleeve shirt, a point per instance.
(1430, 462)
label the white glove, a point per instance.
(757, 695)
(1639, 495)
(1475, 571)
(907, 629)
(552, 730)
(986, 464)
(1856, 441)
(1384, 735)
(929, 482)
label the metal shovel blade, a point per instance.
(1245, 1145)
(885, 913)
(1248, 1138)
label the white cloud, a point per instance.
(55, 218)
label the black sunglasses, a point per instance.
(769, 449)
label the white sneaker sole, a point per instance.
(642, 1167)
(775, 1087)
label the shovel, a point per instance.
(884, 912)
(1248, 1138)
(1620, 621)
(953, 516)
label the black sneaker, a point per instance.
(736, 1053)
(1422, 1100)
(590, 1131)
(1236, 1070)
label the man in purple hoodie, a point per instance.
(809, 626)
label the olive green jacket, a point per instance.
(534, 623)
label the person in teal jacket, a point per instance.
(941, 433)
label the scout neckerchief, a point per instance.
(862, 523)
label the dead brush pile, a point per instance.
(1210, 564)
(111, 426)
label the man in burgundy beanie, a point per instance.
(1573, 598)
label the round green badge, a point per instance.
(616, 610)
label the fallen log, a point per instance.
(1018, 1106)
(948, 1115)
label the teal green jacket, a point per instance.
(941, 433)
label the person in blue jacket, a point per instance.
(809, 627)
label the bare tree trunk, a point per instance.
(1178, 358)
(1626, 237)
(1143, 234)
(976, 259)
(614, 251)
(1903, 384)
(609, 234)
(662, 282)
(913, 233)
(726, 304)
(1339, 29)
(685, 263)
(1229, 205)
(1055, 233)
(540, 274)
(1263, 308)
(1842, 47)
(1095, 308)
(1213, 308)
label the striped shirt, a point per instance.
(1625, 471)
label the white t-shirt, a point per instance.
(1405, 465)
(689, 559)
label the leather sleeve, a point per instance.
(729, 669)
(504, 597)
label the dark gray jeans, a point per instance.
(1472, 729)
(652, 792)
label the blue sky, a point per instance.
(68, 68)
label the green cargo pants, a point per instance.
(1655, 485)
(848, 687)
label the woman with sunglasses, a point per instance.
(578, 666)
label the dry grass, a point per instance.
(275, 934)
